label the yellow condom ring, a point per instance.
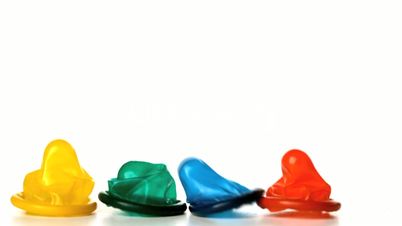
(52, 211)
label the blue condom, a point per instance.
(208, 192)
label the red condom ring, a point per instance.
(300, 188)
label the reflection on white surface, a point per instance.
(264, 220)
(30, 220)
(233, 218)
(122, 219)
(300, 219)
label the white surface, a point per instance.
(235, 83)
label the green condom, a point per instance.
(144, 188)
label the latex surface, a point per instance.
(144, 183)
(60, 182)
(203, 186)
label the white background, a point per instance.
(236, 83)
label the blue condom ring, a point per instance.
(225, 205)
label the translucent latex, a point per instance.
(144, 183)
(203, 186)
(61, 187)
(301, 187)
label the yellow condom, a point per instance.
(60, 187)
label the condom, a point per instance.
(61, 187)
(301, 187)
(144, 188)
(208, 192)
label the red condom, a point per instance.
(300, 188)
